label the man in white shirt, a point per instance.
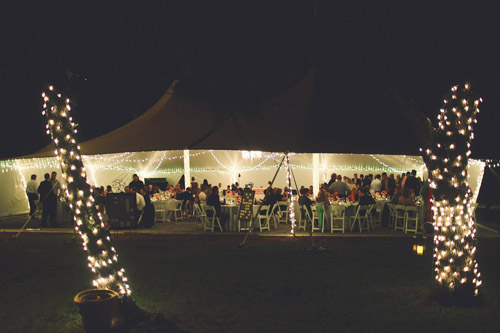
(31, 191)
(202, 197)
(376, 184)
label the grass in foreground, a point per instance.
(207, 284)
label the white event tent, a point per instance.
(178, 136)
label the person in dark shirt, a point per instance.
(365, 198)
(48, 198)
(187, 199)
(305, 201)
(214, 200)
(148, 215)
(136, 183)
(412, 183)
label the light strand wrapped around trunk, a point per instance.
(102, 256)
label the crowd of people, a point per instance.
(401, 189)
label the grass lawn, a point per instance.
(206, 284)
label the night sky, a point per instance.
(372, 60)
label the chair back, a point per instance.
(265, 209)
(364, 210)
(337, 211)
(210, 211)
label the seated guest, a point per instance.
(397, 194)
(354, 195)
(126, 189)
(140, 202)
(365, 197)
(305, 201)
(406, 197)
(269, 197)
(277, 194)
(187, 199)
(148, 215)
(214, 200)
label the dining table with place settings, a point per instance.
(167, 205)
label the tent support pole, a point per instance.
(242, 244)
(313, 243)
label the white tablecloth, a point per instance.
(167, 205)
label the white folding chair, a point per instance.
(200, 215)
(337, 218)
(411, 219)
(212, 220)
(362, 218)
(392, 215)
(318, 218)
(304, 218)
(160, 213)
(263, 216)
(281, 211)
(400, 219)
(178, 211)
(375, 216)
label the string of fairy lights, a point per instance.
(455, 265)
(102, 256)
(291, 207)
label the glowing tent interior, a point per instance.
(179, 136)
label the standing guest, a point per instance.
(355, 179)
(214, 200)
(205, 182)
(412, 182)
(359, 182)
(310, 193)
(136, 183)
(194, 187)
(322, 200)
(405, 177)
(55, 184)
(383, 186)
(126, 189)
(366, 182)
(339, 187)
(31, 191)
(108, 190)
(333, 179)
(48, 198)
(391, 185)
(376, 184)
